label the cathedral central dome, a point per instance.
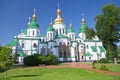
(59, 20)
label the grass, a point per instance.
(56, 74)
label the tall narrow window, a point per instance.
(33, 33)
(56, 31)
(60, 31)
(23, 45)
(87, 46)
(60, 54)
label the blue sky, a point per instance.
(14, 14)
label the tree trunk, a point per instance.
(115, 61)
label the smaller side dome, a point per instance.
(34, 23)
(50, 28)
(70, 29)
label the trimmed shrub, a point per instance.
(103, 67)
(35, 60)
(42, 59)
(51, 59)
(31, 60)
(103, 60)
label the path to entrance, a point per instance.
(85, 66)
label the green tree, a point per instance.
(90, 33)
(5, 58)
(107, 28)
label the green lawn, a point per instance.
(56, 74)
(111, 66)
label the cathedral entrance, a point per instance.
(65, 56)
(64, 51)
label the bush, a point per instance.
(42, 59)
(2, 69)
(35, 60)
(103, 67)
(103, 60)
(31, 60)
(51, 59)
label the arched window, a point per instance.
(34, 45)
(43, 40)
(82, 57)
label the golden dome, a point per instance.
(59, 19)
(34, 15)
(83, 19)
(51, 24)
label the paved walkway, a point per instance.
(85, 66)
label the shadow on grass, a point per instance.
(24, 76)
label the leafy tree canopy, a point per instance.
(108, 23)
(90, 33)
(108, 28)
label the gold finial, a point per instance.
(59, 19)
(34, 15)
(70, 26)
(29, 21)
(51, 22)
(83, 19)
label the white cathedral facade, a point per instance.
(62, 43)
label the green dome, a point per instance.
(13, 43)
(70, 30)
(50, 29)
(25, 31)
(82, 29)
(34, 24)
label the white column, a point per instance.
(58, 31)
(48, 36)
(52, 36)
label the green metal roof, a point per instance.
(25, 31)
(77, 37)
(50, 29)
(13, 43)
(51, 41)
(55, 46)
(62, 36)
(34, 24)
(71, 30)
(82, 29)
(22, 55)
(101, 49)
(93, 48)
(88, 54)
(89, 40)
(42, 36)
